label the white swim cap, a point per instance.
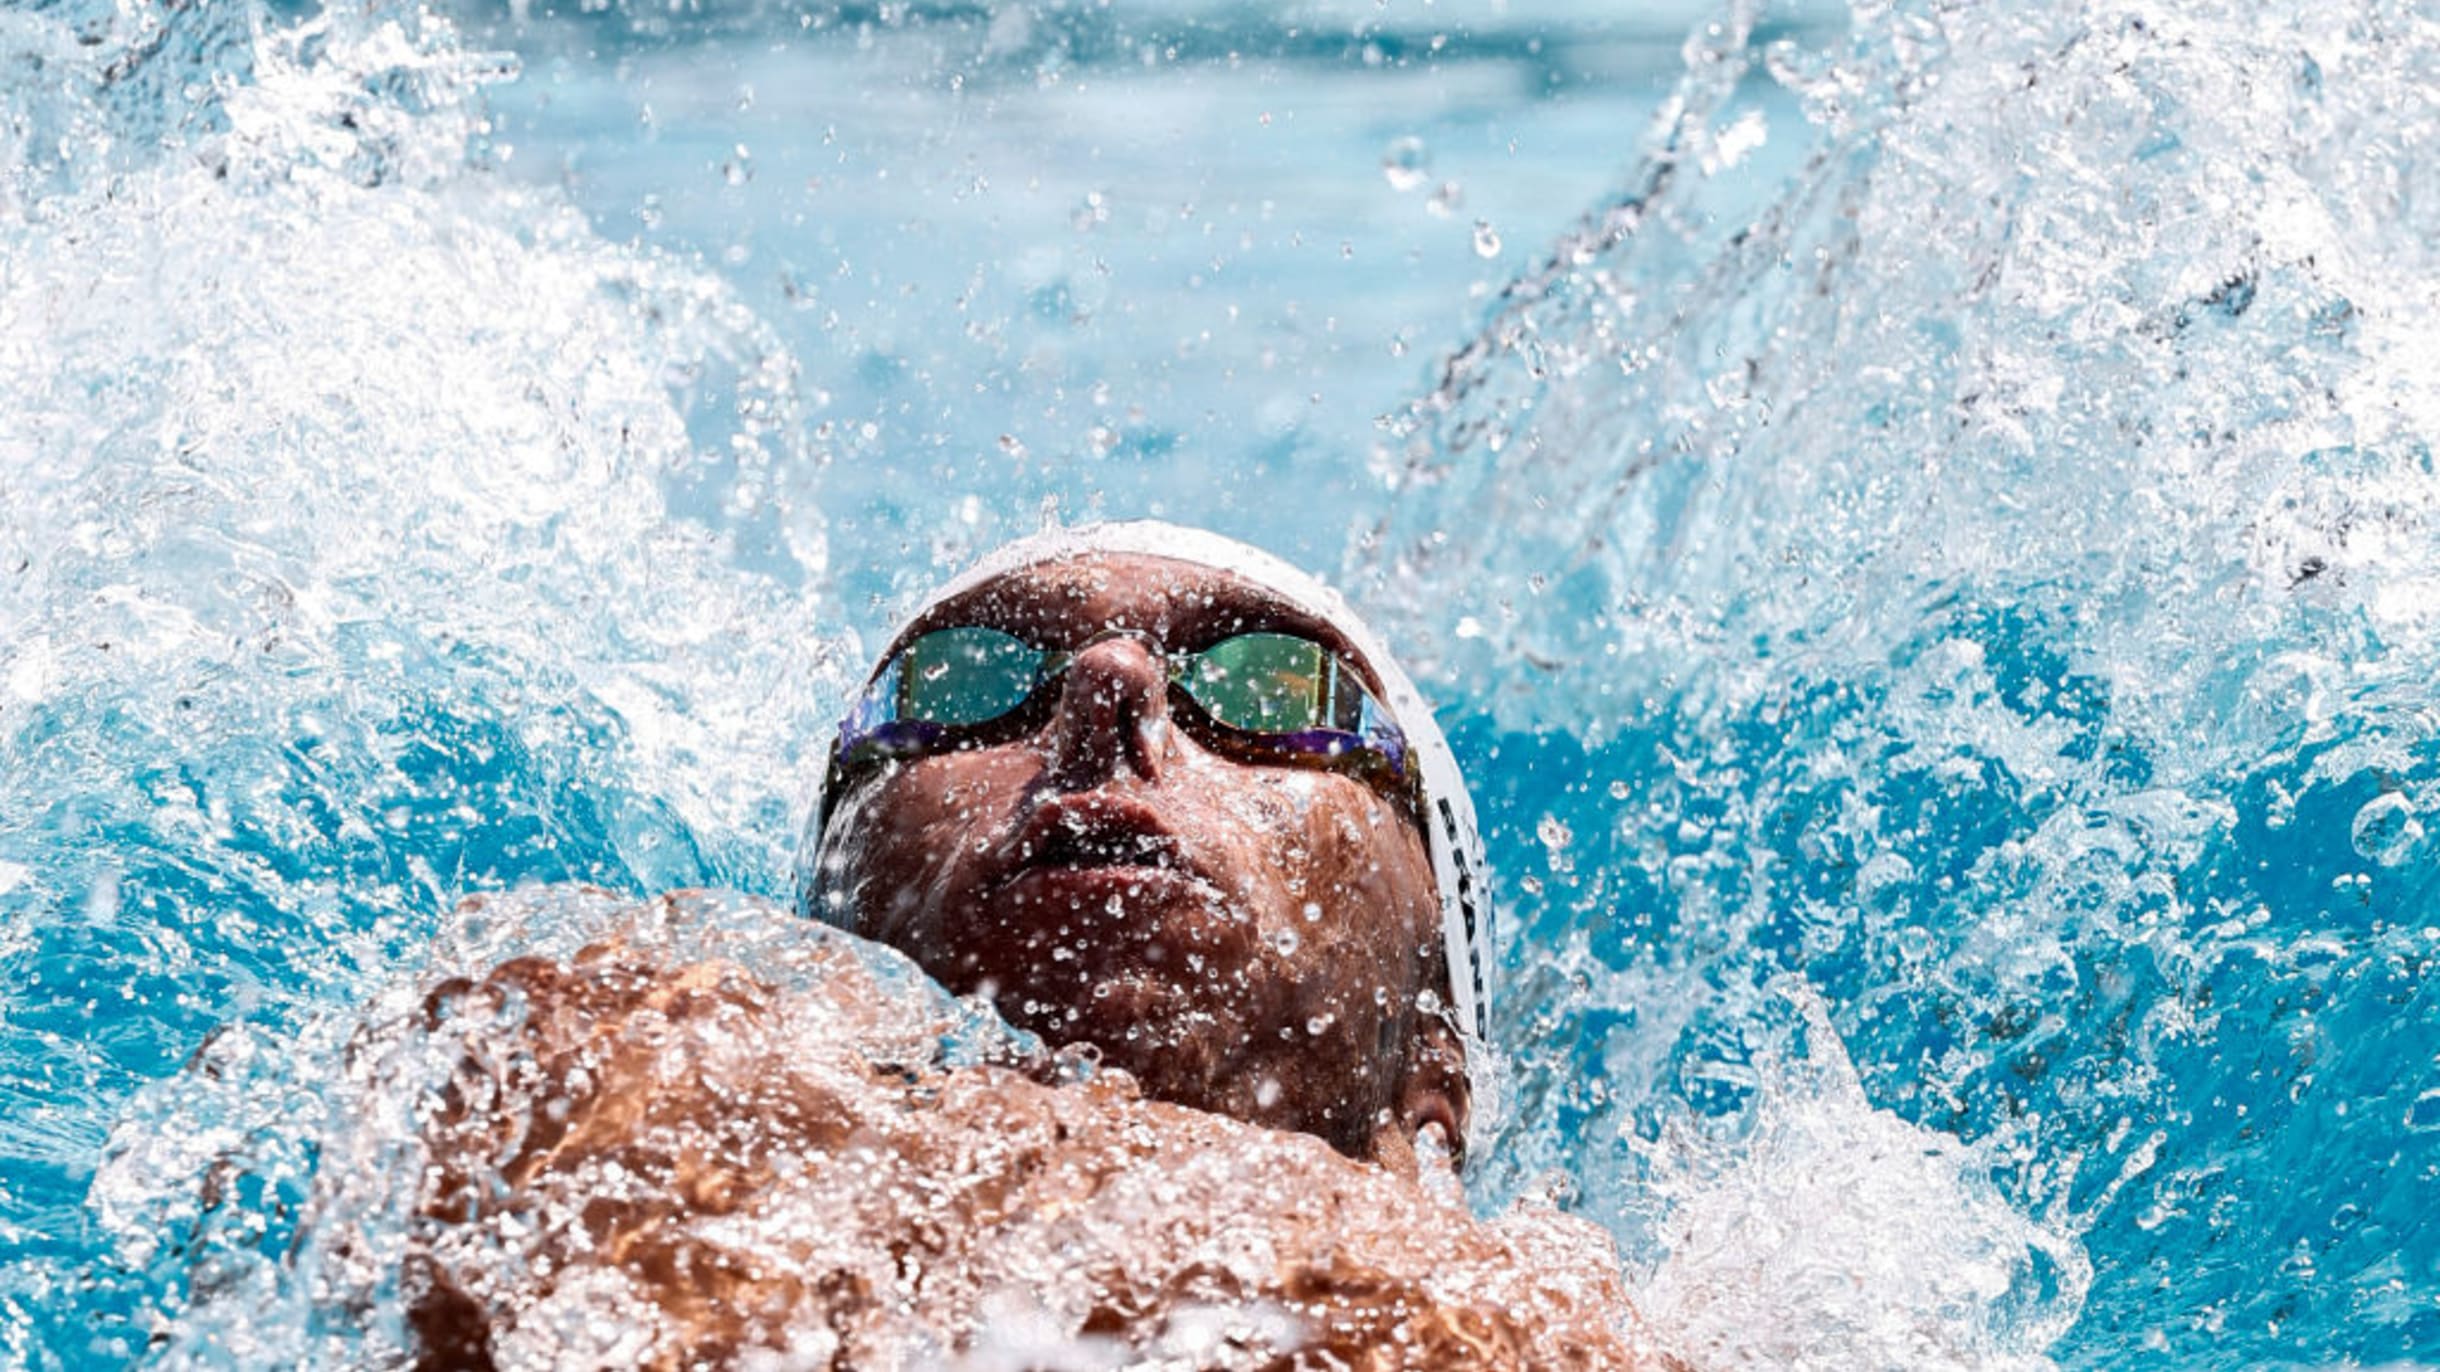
(1449, 830)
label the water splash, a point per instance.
(1965, 346)
(1807, 1229)
(270, 1189)
(1989, 571)
(342, 568)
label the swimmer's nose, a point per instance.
(1112, 714)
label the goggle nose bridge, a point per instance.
(1175, 666)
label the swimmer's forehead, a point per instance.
(1185, 605)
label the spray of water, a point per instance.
(1989, 574)
(339, 574)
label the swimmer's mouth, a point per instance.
(1094, 830)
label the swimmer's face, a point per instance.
(1245, 937)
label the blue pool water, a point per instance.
(1922, 517)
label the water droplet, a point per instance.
(1554, 833)
(1447, 200)
(1320, 1024)
(2386, 830)
(1285, 942)
(1313, 911)
(1266, 1092)
(1486, 239)
(1010, 444)
(1406, 163)
(1075, 1063)
(1619, 790)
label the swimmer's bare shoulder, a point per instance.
(638, 1163)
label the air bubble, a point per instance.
(2386, 830)
(1486, 239)
(1091, 213)
(1075, 1063)
(1406, 164)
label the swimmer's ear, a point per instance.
(1433, 1090)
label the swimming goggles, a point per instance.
(1267, 696)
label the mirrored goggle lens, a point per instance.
(965, 676)
(1274, 684)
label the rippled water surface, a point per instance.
(1922, 518)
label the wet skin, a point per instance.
(1243, 936)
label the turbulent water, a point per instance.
(1993, 582)
(341, 581)
(1935, 578)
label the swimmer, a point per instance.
(1151, 789)
(1156, 797)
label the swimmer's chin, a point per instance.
(1151, 1006)
(1146, 1022)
